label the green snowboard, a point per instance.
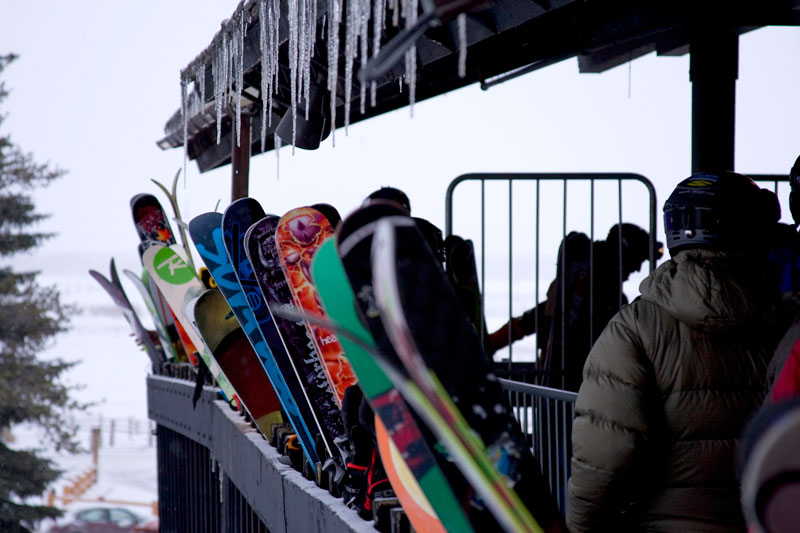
(339, 302)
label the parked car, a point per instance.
(103, 520)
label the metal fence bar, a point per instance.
(545, 416)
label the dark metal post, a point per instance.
(241, 161)
(714, 69)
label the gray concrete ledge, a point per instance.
(283, 499)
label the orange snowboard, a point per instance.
(300, 233)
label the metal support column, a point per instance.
(714, 69)
(241, 161)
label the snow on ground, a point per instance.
(126, 469)
(111, 374)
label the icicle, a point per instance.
(334, 20)
(312, 41)
(277, 157)
(185, 113)
(265, 71)
(461, 21)
(216, 72)
(237, 60)
(293, 35)
(302, 43)
(221, 69)
(200, 81)
(378, 22)
(410, 11)
(363, 30)
(221, 485)
(394, 5)
(351, 33)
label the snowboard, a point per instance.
(260, 247)
(412, 448)
(417, 321)
(206, 232)
(299, 234)
(163, 335)
(231, 348)
(179, 284)
(155, 353)
(237, 219)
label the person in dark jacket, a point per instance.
(585, 272)
(671, 380)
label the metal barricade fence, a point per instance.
(545, 416)
(552, 205)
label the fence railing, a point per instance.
(545, 416)
(216, 473)
(535, 213)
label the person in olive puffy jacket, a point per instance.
(672, 379)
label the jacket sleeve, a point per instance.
(610, 431)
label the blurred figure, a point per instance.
(671, 380)
(783, 375)
(771, 469)
(585, 272)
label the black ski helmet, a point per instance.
(724, 210)
(392, 194)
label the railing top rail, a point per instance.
(538, 390)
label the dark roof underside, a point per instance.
(509, 35)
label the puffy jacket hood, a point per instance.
(709, 290)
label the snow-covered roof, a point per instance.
(269, 56)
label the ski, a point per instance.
(155, 353)
(179, 284)
(163, 335)
(152, 226)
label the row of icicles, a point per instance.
(227, 57)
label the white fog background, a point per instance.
(96, 82)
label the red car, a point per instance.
(105, 520)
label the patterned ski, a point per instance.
(236, 220)
(206, 232)
(163, 335)
(412, 449)
(172, 196)
(116, 293)
(299, 234)
(260, 247)
(179, 284)
(152, 225)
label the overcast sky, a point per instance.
(96, 81)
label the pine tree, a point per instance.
(31, 390)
